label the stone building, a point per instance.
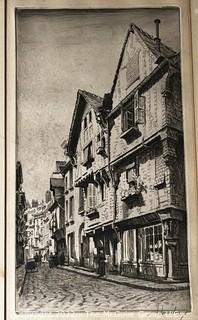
(57, 209)
(30, 230)
(127, 151)
(38, 229)
(20, 216)
(147, 153)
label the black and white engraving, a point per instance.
(101, 220)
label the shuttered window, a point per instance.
(140, 102)
(133, 113)
(91, 196)
(81, 200)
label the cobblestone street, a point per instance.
(56, 290)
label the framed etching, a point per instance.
(101, 192)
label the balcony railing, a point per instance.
(130, 193)
(92, 213)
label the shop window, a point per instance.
(153, 243)
(129, 245)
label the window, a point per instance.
(88, 154)
(85, 123)
(128, 117)
(153, 243)
(91, 196)
(140, 104)
(132, 68)
(134, 112)
(71, 177)
(71, 207)
(71, 245)
(66, 210)
(129, 245)
(81, 200)
(66, 183)
(103, 187)
(132, 174)
(90, 117)
(98, 137)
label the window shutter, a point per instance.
(85, 154)
(122, 119)
(140, 117)
(136, 107)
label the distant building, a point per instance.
(30, 229)
(48, 196)
(20, 217)
(38, 226)
(58, 211)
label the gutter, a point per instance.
(114, 184)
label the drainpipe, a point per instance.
(114, 183)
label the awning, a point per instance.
(88, 177)
(56, 181)
(53, 206)
(139, 221)
(98, 226)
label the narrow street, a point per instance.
(56, 290)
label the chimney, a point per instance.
(157, 38)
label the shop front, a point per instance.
(143, 252)
(154, 251)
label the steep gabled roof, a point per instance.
(91, 98)
(149, 40)
(164, 52)
(82, 97)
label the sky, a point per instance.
(59, 52)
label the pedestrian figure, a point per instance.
(62, 258)
(101, 263)
(40, 258)
(55, 259)
(36, 258)
(51, 261)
